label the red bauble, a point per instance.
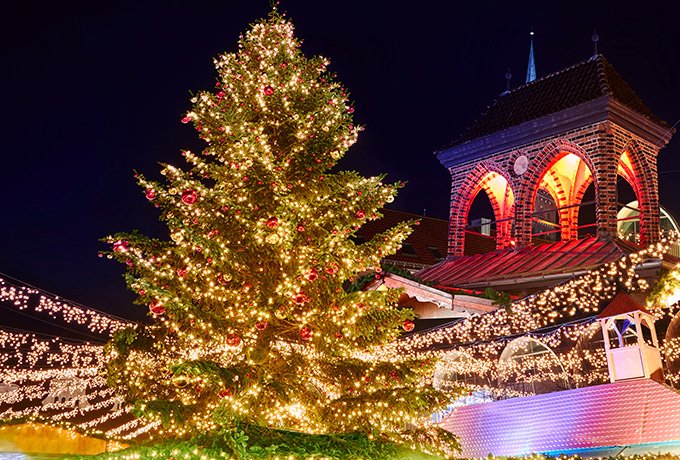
(360, 214)
(150, 194)
(300, 228)
(272, 222)
(261, 325)
(226, 392)
(300, 298)
(186, 120)
(394, 375)
(189, 196)
(233, 340)
(268, 90)
(338, 335)
(312, 274)
(305, 333)
(156, 307)
(120, 246)
(182, 272)
(408, 325)
(332, 269)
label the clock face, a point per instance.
(521, 165)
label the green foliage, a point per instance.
(405, 274)
(668, 282)
(249, 321)
(499, 298)
(250, 442)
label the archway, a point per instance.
(496, 233)
(638, 184)
(565, 180)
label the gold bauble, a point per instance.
(272, 239)
(281, 313)
(180, 381)
(177, 236)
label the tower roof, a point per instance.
(586, 81)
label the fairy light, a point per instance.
(24, 298)
(251, 318)
(247, 293)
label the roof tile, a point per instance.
(583, 82)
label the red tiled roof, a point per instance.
(616, 414)
(430, 233)
(539, 260)
(476, 243)
(583, 82)
(623, 303)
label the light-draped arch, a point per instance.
(489, 177)
(565, 170)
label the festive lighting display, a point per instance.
(251, 320)
(27, 298)
(534, 345)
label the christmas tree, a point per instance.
(253, 324)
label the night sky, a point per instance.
(96, 90)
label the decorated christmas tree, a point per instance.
(253, 325)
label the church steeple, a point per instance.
(531, 68)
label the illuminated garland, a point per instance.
(25, 298)
(582, 295)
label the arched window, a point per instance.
(488, 212)
(565, 181)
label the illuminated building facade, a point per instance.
(574, 362)
(553, 139)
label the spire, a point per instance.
(531, 68)
(596, 38)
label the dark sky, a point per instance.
(95, 90)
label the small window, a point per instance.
(408, 250)
(435, 252)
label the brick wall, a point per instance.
(599, 145)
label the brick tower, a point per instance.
(552, 138)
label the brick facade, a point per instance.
(599, 145)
